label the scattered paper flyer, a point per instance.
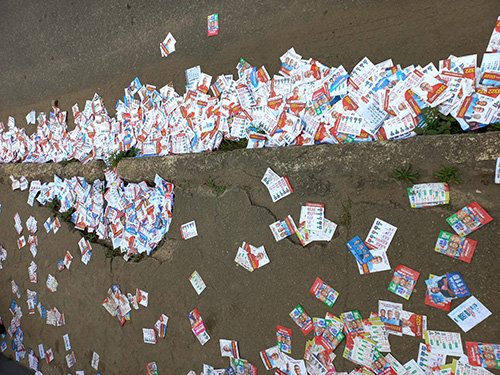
(229, 348)
(497, 172)
(428, 195)
(494, 43)
(31, 118)
(313, 216)
(70, 359)
(161, 326)
(360, 251)
(85, 250)
(188, 230)
(428, 359)
(483, 354)
(251, 257)
(149, 336)
(284, 339)
(302, 319)
(95, 361)
(456, 247)
(198, 327)
(403, 281)
(142, 297)
(469, 314)
(168, 45)
(469, 219)
(447, 343)
(379, 263)
(447, 287)
(278, 187)
(272, 358)
(213, 24)
(380, 235)
(52, 283)
(324, 292)
(197, 282)
(413, 324)
(283, 228)
(67, 344)
(390, 314)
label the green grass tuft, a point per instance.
(447, 174)
(405, 173)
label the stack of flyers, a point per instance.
(95, 361)
(428, 195)
(378, 333)
(403, 281)
(85, 250)
(302, 319)
(283, 228)
(447, 343)
(213, 24)
(198, 327)
(497, 172)
(483, 354)
(379, 263)
(52, 283)
(197, 282)
(70, 359)
(272, 357)
(152, 368)
(278, 187)
(188, 230)
(390, 314)
(360, 251)
(333, 332)
(360, 350)
(251, 257)
(428, 359)
(494, 43)
(284, 339)
(447, 287)
(469, 314)
(149, 335)
(380, 235)
(32, 272)
(161, 326)
(307, 236)
(168, 45)
(456, 247)
(324, 292)
(229, 348)
(469, 219)
(429, 301)
(413, 324)
(55, 318)
(353, 322)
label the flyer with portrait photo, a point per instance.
(390, 314)
(324, 292)
(302, 319)
(379, 263)
(469, 219)
(456, 247)
(360, 251)
(284, 339)
(229, 348)
(429, 301)
(483, 354)
(413, 324)
(447, 287)
(403, 281)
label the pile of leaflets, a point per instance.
(428, 195)
(306, 103)
(134, 217)
(119, 306)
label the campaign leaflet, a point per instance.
(428, 195)
(469, 219)
(469, 314)
(413, 324)
(380, 262)
(360, 251)
(403, 281)
(353, 322)
(497, 172)
(302, 319)
(456, 247)
(494, 43)
(284, 339)
(429, 301)
(430, 89)
(390, 315)
(242, 366)
(428, 359)
(380, 235)
(198, 327)
(483, 354)
(324, 292)
(272, 357)
(283, 228)
(213, 24)
(447, 287)
(229, 348)
(448, 343)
